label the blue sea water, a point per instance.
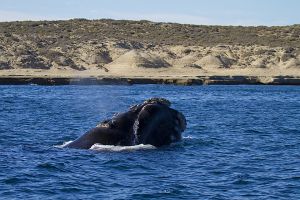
(242, 142)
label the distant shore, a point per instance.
(197, 80)
(143, 52)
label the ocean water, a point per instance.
(241, 142)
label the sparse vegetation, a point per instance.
(48, 33)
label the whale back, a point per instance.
(152, 122)
(100, 135)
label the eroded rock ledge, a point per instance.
(199, 80)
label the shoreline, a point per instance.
(118, 80)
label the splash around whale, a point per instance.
(152, 122)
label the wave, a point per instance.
(113, 148)
(188, 137)
(64, 144)
(101, 147)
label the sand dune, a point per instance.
(116, 60)
(211, 61)
(137, 59)
(186, 60)
(293, 63)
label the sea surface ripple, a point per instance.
(242, 142)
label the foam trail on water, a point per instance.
(101, 147)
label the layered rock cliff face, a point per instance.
(122, 47)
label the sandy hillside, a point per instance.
(61, 49)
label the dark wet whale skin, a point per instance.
(152, 122)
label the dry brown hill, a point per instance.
(109, 47)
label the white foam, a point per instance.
(188, 137)
(101, 147)
(63, 145)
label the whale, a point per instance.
(152, 122)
